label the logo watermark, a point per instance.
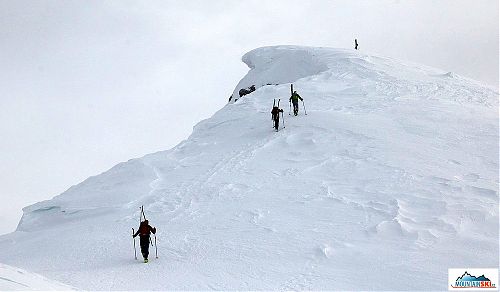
(473, 279)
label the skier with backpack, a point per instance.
(295, 100)
(144, 233)
(275, 114)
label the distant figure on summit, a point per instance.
(144, 232)
(355, 44)
(295, 100)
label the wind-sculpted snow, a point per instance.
(393, 174)
(14, 279)
(95, 196)
(279, 65)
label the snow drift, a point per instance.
(14, 279)
(392, 175)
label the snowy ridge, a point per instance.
(96, 195)
(287, 64)
(395, 164)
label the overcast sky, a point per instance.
(87, 84)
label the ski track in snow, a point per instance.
(394, 171)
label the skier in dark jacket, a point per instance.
(144, 232)
(295, 100)
(275, 115)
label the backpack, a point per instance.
(144, 229)
(275, 112)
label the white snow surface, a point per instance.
(389, 180)
(15, 279)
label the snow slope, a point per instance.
(14, 279)
(391, 179)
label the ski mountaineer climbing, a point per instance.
(275, 114)
(144, 232)
(295, 100)
(355, 44)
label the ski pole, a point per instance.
(156, 247)
(133, 238)
(304, 105)
(283, 120)
(290, 110)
